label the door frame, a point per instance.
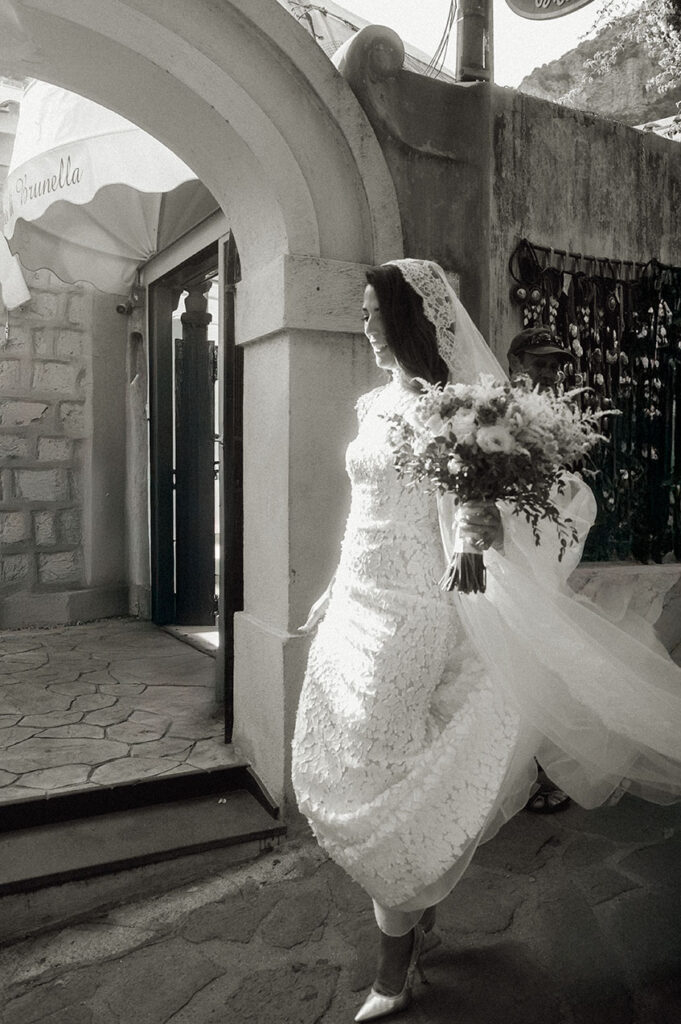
(161, 277)
(230, 379)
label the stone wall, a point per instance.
(477, 168)
(578, 182)
(49, 571)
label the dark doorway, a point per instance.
(196, 452)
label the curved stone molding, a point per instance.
(243, 94)
(376, 52)
(421, 113)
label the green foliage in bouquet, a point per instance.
(494, 441)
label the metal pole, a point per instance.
(474, 41)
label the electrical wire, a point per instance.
(438, 59)
(306, 8)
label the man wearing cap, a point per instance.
(537, 354)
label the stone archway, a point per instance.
(242, 93)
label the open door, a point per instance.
(196, 465)
(195, 376)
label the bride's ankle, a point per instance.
(394, 954)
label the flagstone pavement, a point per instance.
(571, 918)
(101, 704)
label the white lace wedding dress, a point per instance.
(405, 754)
(421, 711)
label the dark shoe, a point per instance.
(548, 801)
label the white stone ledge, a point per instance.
(55, 608)
(613, 569)
(300, 293)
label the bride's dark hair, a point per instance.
(410, 334)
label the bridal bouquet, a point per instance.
(489, 442)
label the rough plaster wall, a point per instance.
(435, 140)
(44, 423)
(477, 167)
(570, 180)
(573, 181)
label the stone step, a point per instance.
(46, 809)
(31, 858)
(53, 872)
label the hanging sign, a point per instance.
(538, 10)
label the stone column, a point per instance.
(305, 364)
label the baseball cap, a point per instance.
(539, 341)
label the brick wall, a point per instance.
(45, 422)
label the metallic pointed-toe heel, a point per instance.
(378, 1005)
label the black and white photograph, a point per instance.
(340, 511)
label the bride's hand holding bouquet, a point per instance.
(489, 442)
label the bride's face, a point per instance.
(375, 332)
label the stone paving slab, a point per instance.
(70, 776)
(289, 939)
(102, 704)
(186, 670)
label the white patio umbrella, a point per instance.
(13, 290)
(91, 196)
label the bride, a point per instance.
(422, 711)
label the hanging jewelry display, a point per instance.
(622, 322)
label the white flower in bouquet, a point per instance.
(496, 438)
(492, 441)
(435, 424)
(463, 425)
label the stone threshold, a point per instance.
(201, 638)
(28, 912)
(36, 859)
(58, 807)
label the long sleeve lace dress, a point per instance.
(405, 754)
(421, 711)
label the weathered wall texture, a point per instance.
(575, 181)
(578, 182)
(478, 167)
(436, 142)
(44, 418)
(52, 513)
